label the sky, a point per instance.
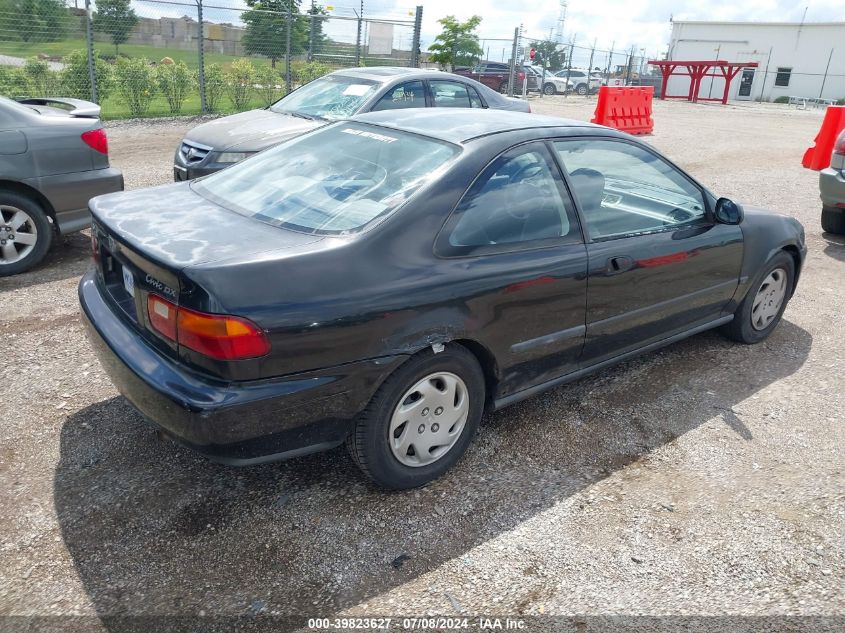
(621, 24)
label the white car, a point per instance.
(581, 80)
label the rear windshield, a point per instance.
(333, 181)
(329, 97)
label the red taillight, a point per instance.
(96, 140)
(216, 335)
(521, 76)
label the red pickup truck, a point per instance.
(495, 75)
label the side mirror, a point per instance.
(728, 211)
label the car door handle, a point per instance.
(616, 265)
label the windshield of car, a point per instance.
(333, 181)
(329, 97)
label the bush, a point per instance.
(841, 102)
(136, 84)
(781, 100)
(303, 72)
(174, 81)
(76, 82)
(239, 80)
(42, 81)
(215, 85)
(267, 84)
(13, 82)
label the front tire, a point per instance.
(25, 233)
(761, 310)
(421, 420)
(833, 221)
(582, 89)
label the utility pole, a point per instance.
(511, 74)
(569, 65)
(311, 33)
(827, 68)
(288, 82)
(630, 62)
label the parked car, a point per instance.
(582, 80)
(217, 144)
(495, 76)
(832, 186)
(53, 159)
(383, 281)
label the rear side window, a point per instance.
(515, 203)
(450, 94)
(333, 181)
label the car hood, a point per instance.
(250, 131)
(175, 227)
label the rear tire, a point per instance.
(752, 323)
(549, 89)
(503, 87)
(25, 233)
(833, 221)
(582, 89)
(410, 433)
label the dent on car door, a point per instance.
(658, 263)
(515, 240)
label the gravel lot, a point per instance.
(703, 479)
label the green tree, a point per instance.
(43, 82)
(115, 18)
(549, 54)
(34, 20)
(266, 29)
(458, 44)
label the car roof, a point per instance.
(459, 125)
(381, 73)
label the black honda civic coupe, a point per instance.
(384, 280)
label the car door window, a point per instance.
(450, 94)
(624, 189)
(408, 95)
(515, 203)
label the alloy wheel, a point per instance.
(18, 234)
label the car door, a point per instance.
(515, 240)
(658, 263)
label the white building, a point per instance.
(794, 59)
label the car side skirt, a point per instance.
(501, 403)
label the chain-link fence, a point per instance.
(166, 57)
(571, 61)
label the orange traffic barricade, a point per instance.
(818, 157)
(625, 108)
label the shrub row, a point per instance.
(136, 82)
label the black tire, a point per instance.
(549, 89)
(833, 221)
(582, 89)
(503, 87)
(38, 223)
(369, 444)
(741, 328)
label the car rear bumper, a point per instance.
(234, 423)
(832, 187)
(69, 194)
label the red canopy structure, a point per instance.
(698, 70)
